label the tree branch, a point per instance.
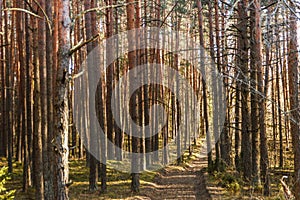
(164, 21)
(23, 10)
(81, 44)
(46, 16)
(98, 9)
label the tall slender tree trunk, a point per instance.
(61, 100)
(22, 97)
(27, 165)
(49, 170)
(42, 95)
(118, 132)
(37, 135)
(2, 143)
(109, 79)
(278, 89)
(213, 57)
(293, 74)
(202, 67)
(130, 10)
(225, 137)
(264, 159)
(216, 89)
(8, 93)
(89, 26)
(254, 106)
(237, 112)
(284, 82)
(243, 64)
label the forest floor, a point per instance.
(181, 182)
(189, 180)
(186, 181)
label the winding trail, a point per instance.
(179, 183)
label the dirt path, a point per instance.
(179, 183)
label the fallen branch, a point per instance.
(287, 192)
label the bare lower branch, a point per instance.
(99, 9)
(46, 16)
(81, 44)
(23, 10)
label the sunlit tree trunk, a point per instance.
(226, 143)
(278, 92)
(61, 100)
(216, 89)
(202, 65)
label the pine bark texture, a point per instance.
(61, 106)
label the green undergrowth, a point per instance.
(235, 188)
(118, 183)
(4, 192)
(228, 180)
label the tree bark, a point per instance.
(61, 100)
(202, 67)
(294, 97)
(109, 79)
(243, 64)
(254, 104)
(37, 135)
(89, 26)
(8, 93)
(49, 170)
(130, 10)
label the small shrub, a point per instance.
(233, 187)
(4, 193)
(229, 181)
(259, 188)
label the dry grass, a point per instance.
(118, 183)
